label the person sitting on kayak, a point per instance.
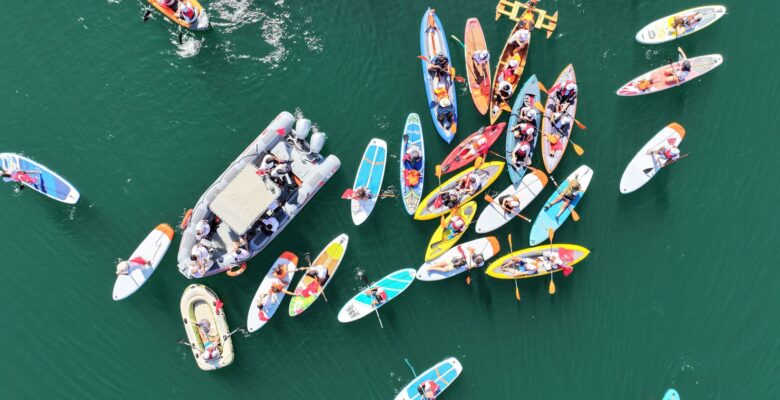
(377, 294)
(521, 266)
(564, 95)
(448, 199)
(510, 204)
(444, 113)
(319, 273)
(477, 146)
(510, 73)
(440, 91)
(562, 123)
(520, 154)
(428, 389)
(460, 261)
(523, 132)
(502, 95)
(567, 196)
(519, 39)
(665, 154)
(676, 76)
(187, 12)
(469, 184)
(362, 193)
(551, 260)
(439, 68)
(481, 59)
(19, 176)
(124, 267)
(454, 227)
(528, 113)
(172, 4)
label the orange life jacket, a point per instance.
(412, 177)
(440, 93)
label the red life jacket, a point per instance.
(188, 12)
(667, 153)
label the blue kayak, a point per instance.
(529, 95)
(547, 218)
(43, 180)
(369, 175)
(413, 137)
(671, 394)
(360, 305)
(442, 375)
(433, 41)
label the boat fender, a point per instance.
(317, 141)
(236, 270)
(185, 222)
(302, 128)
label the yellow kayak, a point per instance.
(432, 205)
(439, 241)
(504, 268)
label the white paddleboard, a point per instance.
(634, 177)
(370, 174)
(253, 319)
(662, 30)
(152, 249)
(487, 246)
(360, 305)
(494, 216)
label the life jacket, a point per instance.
(457, 223)
(440, 93)
(411, 177)
(429, 386)
(644, 84)
(509, 75)
(138, 261)
(380, 295)
(522, 151)
(667, 153)
(21, 176)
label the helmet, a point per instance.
(513, 63)
(445, 102)
(571, 86)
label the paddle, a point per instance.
(574, 214)
(456, 78)
(362, 275)
(550, 233)
(490, 199)
(458, 40)
(517, 290)
(239, 329)
(186, 343)
(647, 170)
(576, 121)
(577, 148)
(410, 367)
(438, 175)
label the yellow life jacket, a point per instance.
(440, 93)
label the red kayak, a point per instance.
(467, 151)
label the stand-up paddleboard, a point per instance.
(369, 175)
(152, 249)
(503, 65)
(43, 180)
(467, 151)
(546, 218)
(485, 247)
(495, 216)
(529, 95)
(506, 268)
(206, 326)
(440, 242)
(478, 75)
(256, 319)
(308, 289)
(432, 206)
(432, 42)
(360, 305)
(663, 29)
(552, 153)
(671, 394)
(201, 22)
(643, 166)
(413, 136)
(656, 80)
(442, 375)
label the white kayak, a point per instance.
(494, 216)
(487, 247)
(662, 30)
(152, 249)
(643, 166)
(256, 319)
(361, 304)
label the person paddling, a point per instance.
(429, 389)
(444, 113)
(665, 154)
(362, 193)
(187, 12)
(454, 227)
(19, 176)
(172, 4)
(377, 294)
(567, 196)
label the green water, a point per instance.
(679, 291)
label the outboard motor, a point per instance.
(317, 142)
(302, 128)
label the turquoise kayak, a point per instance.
(413, 136)
(441, 374)
(41, 179)
(546, 218)
(671, 394)
(529, 94)
(433, 41)
(360, 305)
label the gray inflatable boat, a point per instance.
(253, 201)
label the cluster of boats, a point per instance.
(281, 171)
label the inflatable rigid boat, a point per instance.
(247, 206)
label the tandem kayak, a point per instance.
(506, 268)
(433, 41)
(442, 267)
(665, 77)
(201, 22)
(477, 74)
(441, 375)
(40, 178)
(432, 205)
(663, 29)
(207, 328)
(441, 240)
(361, 304)
(477, 144)
(309, 289)
(257, 318)
(547, 218)
(495, 216)
(137, 272)
(503, 63)
(529, 96)
(411, 191)
(643, 166)
(552, 153)
(369, 176)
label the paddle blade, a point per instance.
(468, 280)
(580, 125)
(424, 58)
(459, 79)
(577, 149)
(551, 289)
(443, 222)
(575, 215)
(489, 199)
(438, 170)
(542, 88)
(539, 106)
(478, 162)
(551, 233)
(347, 194)
(506, 107)
(517, 293)
(567, 270)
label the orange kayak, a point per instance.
(201, 22)
(503, 61)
